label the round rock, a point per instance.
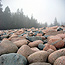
(19, 43)
(25, 50)
(56, 54)
(12, 59)
(40, 63)
(40, 56)
(41, 46)
(7, 46)
(35, 43)
(60, 61)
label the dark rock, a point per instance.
(59, 29)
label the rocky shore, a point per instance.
(33, 46)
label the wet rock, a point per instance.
(12, 59)
(60, 61)
(56, 54)
(19, 43)
(40, 63)
(25, 50)
(40, 56)
(35, 43)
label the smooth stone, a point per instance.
(35, 43)
(41, 46)
(7, 46)
(35, 49)
(56, 54)
(25, 50)
(33, 38)
(19, 43)
(60, 61)
(40, 63)
(12, 59)
(40, 56)
(48, 46)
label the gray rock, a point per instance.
(41, 46)
(12, 59)
(33, 38)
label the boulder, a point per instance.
(12, 59)
(35, 49)
(50, 51)
(40, 63)
(59, 29)
(48, 46)
(58, 43)
(60, 61)
(41, 46)
(40, 56)
(16, 38)
(25, 50)
(33, 38)
(61, 35)
(7, 46)
(19, 43)
(56, 54)
(35, 43)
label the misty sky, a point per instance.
(42, 10)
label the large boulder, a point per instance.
(40, 56)
(25, 50)
(19, 43)
(40, 63)
(35, 43)
(7, 46)
(60, 61)
(12, 59)
(53, 56)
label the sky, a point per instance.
(42, 10)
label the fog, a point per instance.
(42, 10)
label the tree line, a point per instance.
(9, 20)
